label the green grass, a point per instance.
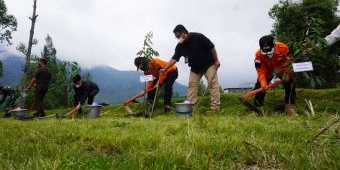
(232, 139)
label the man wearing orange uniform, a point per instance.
(152, 67)
(274, 57)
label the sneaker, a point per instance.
(290, 110)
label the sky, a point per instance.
(109, 32)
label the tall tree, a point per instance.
(8, 24)
(28, 71)
(31, 41)
(304, 24)
(49, 52)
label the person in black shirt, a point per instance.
(84, 90)
(40, 80)
(200, 54)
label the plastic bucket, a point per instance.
(93, 111)
(19, 114)
(183, 109)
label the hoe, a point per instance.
(244, 98)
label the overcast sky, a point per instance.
(110, 32)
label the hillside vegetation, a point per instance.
(232, 139)
(115, 85)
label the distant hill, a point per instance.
(115, 85)
(12, 67)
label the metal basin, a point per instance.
(19, 114)
(183, 109)
(93, 111)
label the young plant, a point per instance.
(148, 52)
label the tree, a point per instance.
(304, 24)
(49, 52)
(28, 71)
(8, 24)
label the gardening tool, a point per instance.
(132, 99)
(154, 98)
(49, 116)
(68, 114)
(104, 113)
(31, 107)
(246, 96)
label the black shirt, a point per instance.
(43, 75)
(84, 90)
(198, 50)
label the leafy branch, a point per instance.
(147, 51)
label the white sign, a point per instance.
(304, 66)
(146, 78)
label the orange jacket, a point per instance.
(265, 66)
(155, 65)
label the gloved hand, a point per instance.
(263, 86)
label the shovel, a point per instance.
(244, 98)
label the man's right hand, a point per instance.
(263, 87)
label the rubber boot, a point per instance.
(290, 110)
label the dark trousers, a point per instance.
(168, 83)
(40, 92)
(290, 93)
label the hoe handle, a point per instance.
(260, 89)
(127, 101)
(68, 114)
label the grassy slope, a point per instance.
(232, 139)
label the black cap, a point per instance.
(76, 78)
(181, 29)
(266, 43)
(140, 62)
